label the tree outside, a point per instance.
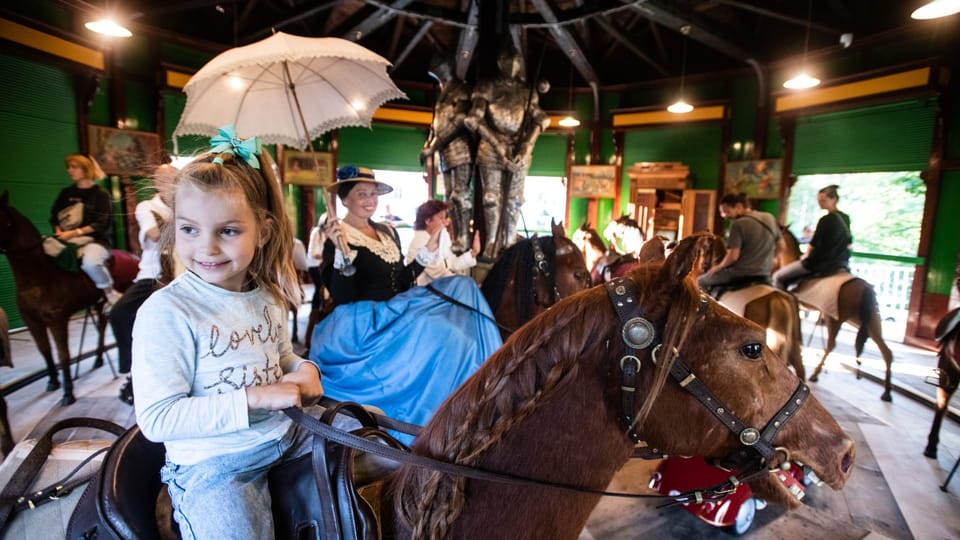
(885, 209)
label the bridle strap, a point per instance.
(639, 333)
(760, 441)
(542, 267)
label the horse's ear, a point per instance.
(557, 228)
(651, 251)
(688, 253)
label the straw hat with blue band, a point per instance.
(351, 174)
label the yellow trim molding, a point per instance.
(406, 116)
(842, 92)
(631, 119)
(47, 43)
(177, 79)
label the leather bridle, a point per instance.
(757, 449)
(542, 268)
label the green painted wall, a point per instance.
(946, 237)
(695, 145)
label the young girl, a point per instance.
(212, 361)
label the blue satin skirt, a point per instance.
(407, 354)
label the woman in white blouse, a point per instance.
(431, 217)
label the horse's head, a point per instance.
(792, 252)
(567, 394)
(726, 353)
(16, 231)
(569, 266)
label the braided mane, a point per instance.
(554, 350)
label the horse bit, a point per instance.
(639, 334)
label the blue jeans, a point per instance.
(783, 277)
(226, 497)
(93, 261)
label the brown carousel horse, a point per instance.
(532, 275)
(48, 296)
(771, 308)
(567, 397)
(948, 369)
(855, 302)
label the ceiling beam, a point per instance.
(287, 22)
(380, 17)
(803, 23)
(566, 42)
(671, 19)
(421, 32)
(467, 43)
(625, 41)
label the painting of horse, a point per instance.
(566, 397)
(854, 302)
(948, 369)
(532, 275)
(48, 296)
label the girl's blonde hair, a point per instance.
(91, 169)
(272, 265)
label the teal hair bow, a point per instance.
(227, 142)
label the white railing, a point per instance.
(892, 281)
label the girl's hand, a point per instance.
(307, 379)
(333, 230)
(274, 397)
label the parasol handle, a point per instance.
(348, 268)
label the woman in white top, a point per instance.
(431, 217)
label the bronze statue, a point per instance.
(507, 117)
(456, 146)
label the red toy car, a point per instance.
(676, 475)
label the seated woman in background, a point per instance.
(386, 344)
(432, 220)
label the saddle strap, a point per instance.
(27, 472)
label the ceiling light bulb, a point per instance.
(936, 9)
(680, 107)
(236, 83)
(569, 121)
(108, 27)
(358, 105)
(801, 81)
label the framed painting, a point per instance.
(593, 181)
(307, 168)
(759, 179)
(124, 152)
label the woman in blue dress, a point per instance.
(388, 343)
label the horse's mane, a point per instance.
(550, 353)
(517, 256)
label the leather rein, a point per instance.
(756, 451)
(542, 267)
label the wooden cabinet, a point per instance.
(662, 204)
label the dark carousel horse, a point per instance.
(532, 275)
(48, 295)
(948, 370)
(567, 396)
(857, 304)
(6, 436)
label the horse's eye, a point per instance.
(752, 350)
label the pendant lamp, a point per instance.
(934, 9)
(803, 79)
(681, 106)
